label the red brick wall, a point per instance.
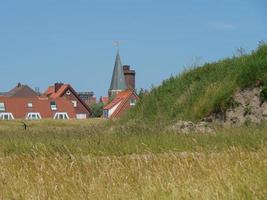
(80, 109)
(129, 77)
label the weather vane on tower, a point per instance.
(116, 43)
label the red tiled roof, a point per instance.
(122, 98)
(19, 107)
(50, 92)
(119, 97)
(61, 91)
(124, 94)
(112, 103)
(21, 91)
(104, 100)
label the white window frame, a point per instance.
(10, 116)
(30, 114)
(74, 103)
(132, 102)
(54, 106)
(57, 114)
(29, 105)
(3, 107)
(81, 116)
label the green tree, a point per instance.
(97, 109)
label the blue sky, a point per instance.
(42, 42)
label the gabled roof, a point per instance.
(18, 106)
(50, 92)
(121, 99)
(21, 91)
(112, 103)
(118, 79)
(60, 92)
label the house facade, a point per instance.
(58, 102)
(60, 90)
(123, 101)
(35, 108)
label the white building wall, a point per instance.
(111, 111)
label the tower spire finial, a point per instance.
(116, 43)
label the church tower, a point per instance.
(118, 83)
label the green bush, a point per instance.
(97, 109)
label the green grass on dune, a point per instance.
(200, 91)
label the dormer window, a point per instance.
(53, 105)
(61, 115)
(6, 116)
(2, 106)
(29, 105)
(33, 116)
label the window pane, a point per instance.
(53, 105)
(2, 106)
(74, 103)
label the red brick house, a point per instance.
(58, 102)
(120, 104)
(60, 90)
(35, 108)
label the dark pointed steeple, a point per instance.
(118, 80)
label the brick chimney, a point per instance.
(57, 86)
(129, 77)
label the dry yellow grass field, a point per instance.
(74, 160)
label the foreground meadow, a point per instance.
(90, 160)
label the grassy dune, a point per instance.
(199, 91)
(88, 160)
